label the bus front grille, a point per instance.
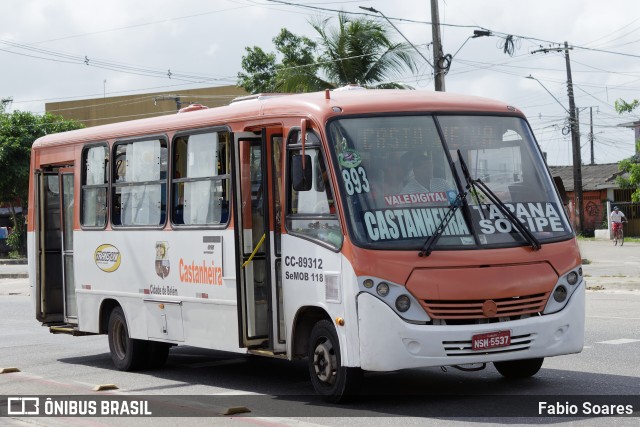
(475, 309)
(463, 348)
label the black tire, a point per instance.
(519, 368)
(158, 354)
(334, 382)
(127, 354)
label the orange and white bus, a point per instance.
(364, 230)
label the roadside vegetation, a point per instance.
(18, 131)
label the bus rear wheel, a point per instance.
(128, 354)
(334, 382)
(519, 368)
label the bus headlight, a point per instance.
(560, 293)
(396, 297)
(382, 289)
(403, 303)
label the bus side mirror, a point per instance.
(301, 178)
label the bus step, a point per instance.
(68, 329)
(267, 353)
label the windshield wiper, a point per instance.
(427, 248)
(472, 183)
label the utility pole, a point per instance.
(591, 137)
(575, 139)
(575, 143)
(438, 71)
(591, 133)
(439, 59)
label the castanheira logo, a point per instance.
(107, 258)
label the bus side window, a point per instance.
(95, 180)
(312, 213)
(200, 179)
(139, 190)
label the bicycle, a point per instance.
(618, 233)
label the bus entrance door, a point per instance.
(55, 290)
(260, 326)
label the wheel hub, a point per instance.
(325, 363)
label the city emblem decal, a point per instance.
(162, 259)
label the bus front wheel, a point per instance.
(519, 368)
(334, 382)
(127, 353)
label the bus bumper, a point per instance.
(388, 343)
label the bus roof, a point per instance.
(317, 105)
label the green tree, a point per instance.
(263, 74)
(356, 51)
(298, 68)
(623, 106)
(360, 52)
(260, 70)
(18, 131)
(632, 168)
(631, 165)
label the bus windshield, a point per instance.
(401, 175)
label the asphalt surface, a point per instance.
(606, 367)
(605, 266)
(13, 269)
(611, 268)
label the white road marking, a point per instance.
(618, 341)
(611, 317)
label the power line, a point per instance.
(495, 32)
(193, 78)
(606, 51)
(619, 29)
(56, 56)
(144, 24)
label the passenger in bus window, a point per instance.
(100, 208)
(385, 177)
(419, 178)
(392, 179)
(418, 173)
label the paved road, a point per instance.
(608, 365)
(13, 269)
(279, 393)
(614, 268)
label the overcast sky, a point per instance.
(74, 49)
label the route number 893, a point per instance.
(355, 181)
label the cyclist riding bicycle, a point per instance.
(617, 218)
